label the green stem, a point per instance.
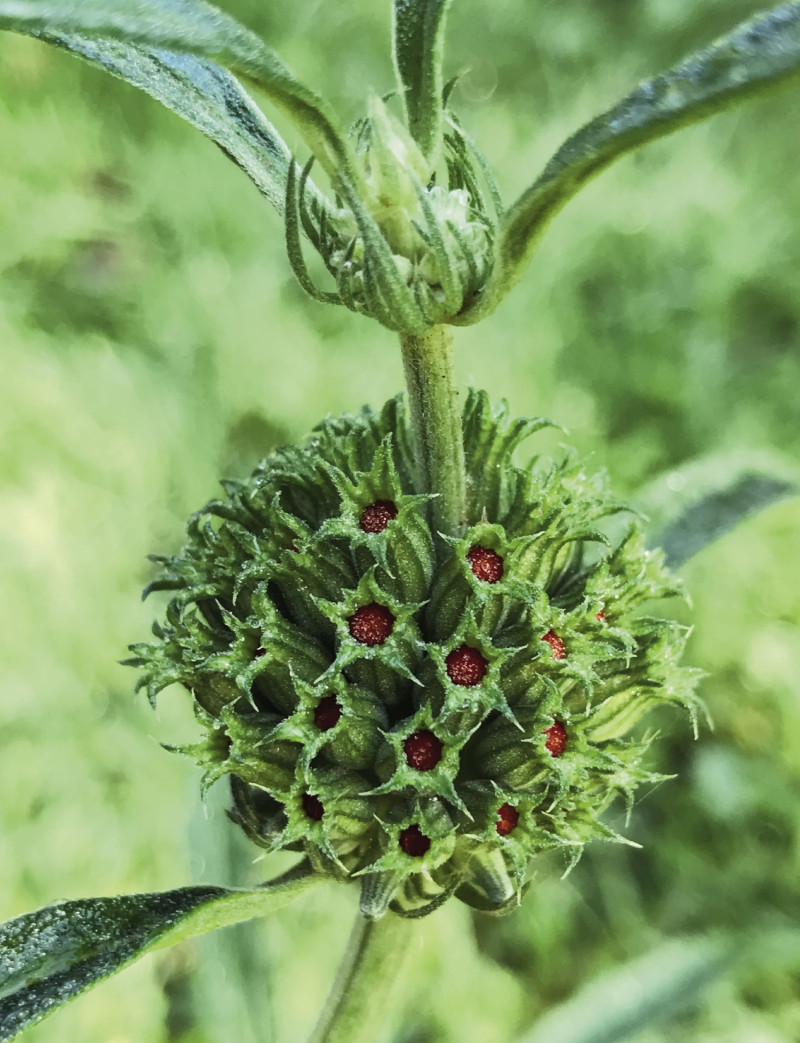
(436, 423)
(359, 1001)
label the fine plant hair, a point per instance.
(418, 655)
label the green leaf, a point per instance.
(631, 997)
(193, 27)
(693, 506)
(757, 55)
(294, 246)
(204, 94)
(418, 47)
(54, 954)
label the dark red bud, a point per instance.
(327, 713)
(485, 563)
(414, 842)
(466, 666)
(507, 819)
(556, 739)
(371, 624)
(423, 750)
(259, 652)
(312, 806)
(376, 517)
(555, 642)
(601, 617)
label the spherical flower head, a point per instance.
(418, 713)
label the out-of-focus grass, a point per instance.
(153, 340)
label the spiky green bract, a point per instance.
(412, 253)
(419, 712)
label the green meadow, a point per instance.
(153, 340)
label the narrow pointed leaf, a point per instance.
(757, 55)
(630, 998)
(54, 954)
(198, 28)
(294, 247)
(418, 47)
(691, 507)
(203, 94)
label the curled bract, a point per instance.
(415, 248)
(417, 712)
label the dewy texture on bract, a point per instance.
(418, 248)
(420, 712)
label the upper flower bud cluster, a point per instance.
(418, 712)
(405, 232)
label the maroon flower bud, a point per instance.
(312, 806)
(376, 516)
(414, 842)
(486, 564)
(371, 624)
(555, 642)
(556, 739)
(507, 819)
(466, 666)
(327, 713)
(423, 750)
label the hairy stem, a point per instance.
(436, 423)
(370, 972)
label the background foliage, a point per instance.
(153, 339)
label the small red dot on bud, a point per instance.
(312, 806)
(486, 564)
(556, 741)
(371, 624)
(327, 713)
(423, 750)
(259, 652)
(466, 666)
(376, 516)
(414, 842)
(555, 642)
(601, 617)
(507, 819)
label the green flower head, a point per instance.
(417, 712)
(433, 242)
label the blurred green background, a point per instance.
(152, 340)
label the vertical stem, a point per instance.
(357, 1005)
(436, 423)
(360, 999)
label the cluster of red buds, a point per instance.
(419, 712)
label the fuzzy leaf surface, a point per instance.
(203, 94)
(630, 998)
(50, 956)
(693, 506)
(418, 46)
(190, 27)
(758, 54)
